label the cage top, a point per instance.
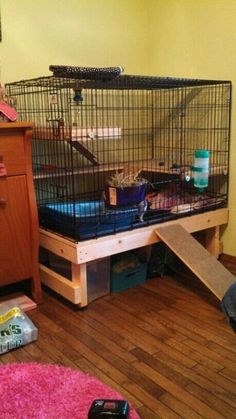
(107, 78)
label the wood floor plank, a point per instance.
(102, 328)
(205, 314)
(160, 367)
(174, 324)
(98, 348)
(179, 407)
(210, 399)
(231, 375)
(199, 328)
(223, 384)
(119, 321)
(198, 357)
(86, 328)
(212, 355)
(164, 345)
(177, 290)
(146, 413)
(144, 299)
(162, 339)
(203, 323)
(86, 367)
(49, 333)
(228, 351)
(8, 358)
(179, 393)
(159, 330)
(211, 382)
(153, 403)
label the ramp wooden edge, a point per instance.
(205, 266)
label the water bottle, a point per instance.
(201, 169)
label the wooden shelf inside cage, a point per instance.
(80, 253)
(134, 167)
(53, 172)
(155, 165)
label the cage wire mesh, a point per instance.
(113, 152)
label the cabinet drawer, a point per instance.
(12, 154)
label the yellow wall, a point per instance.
(180, 38)
(197, 38)
(71, 32)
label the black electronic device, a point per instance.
(109, 408)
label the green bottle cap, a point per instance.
(202, 154)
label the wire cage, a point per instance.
(113, 152)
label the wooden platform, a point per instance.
(80, 253)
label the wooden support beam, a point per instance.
(63, 286)
(79, 278)
(212, 242)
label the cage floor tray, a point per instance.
(85, 220)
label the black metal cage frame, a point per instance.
(113, 152)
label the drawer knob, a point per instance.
(3, 203)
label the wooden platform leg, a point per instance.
(79, 275)
(74, 290)
(212, 242)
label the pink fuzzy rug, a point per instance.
(47, 391)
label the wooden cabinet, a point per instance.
(19, 229)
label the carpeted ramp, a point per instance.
(205, 266)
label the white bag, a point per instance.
(16, 329)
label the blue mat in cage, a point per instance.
(84, 220)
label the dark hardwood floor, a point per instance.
(165, 346)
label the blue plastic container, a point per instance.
(128, 278)
(85, 220)
(127, 271)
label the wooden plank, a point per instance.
(84, 151)
(212, 242)
(121, 242)
(79, 276)
(153, 165)
(59, 173)
(59, 245)
(68, 289)
(93, 249)
(16, 125)
(102, 349)
(205, 266)
(20, 299)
